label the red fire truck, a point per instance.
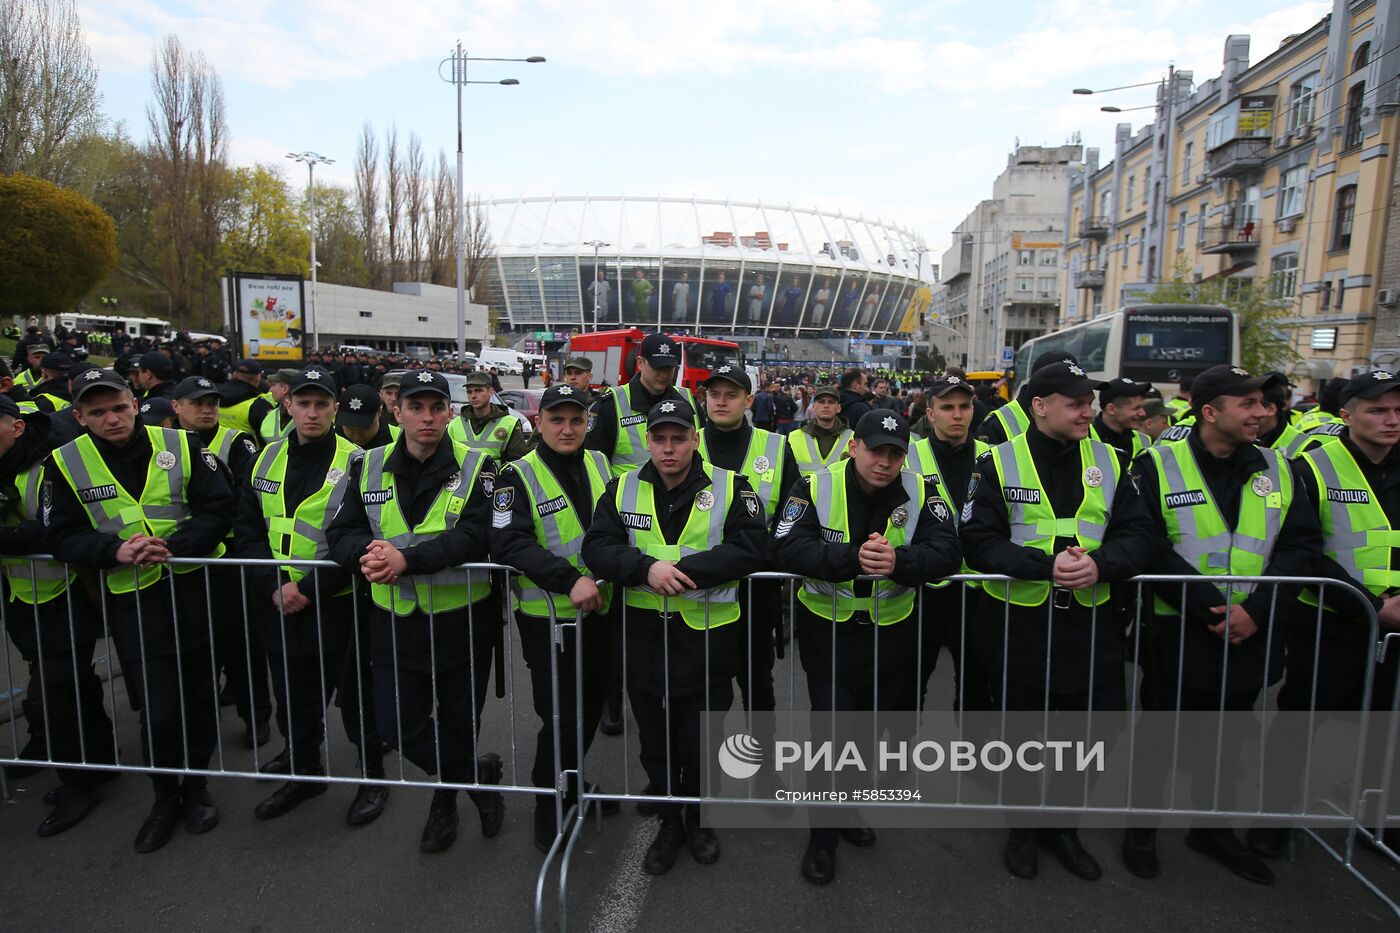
(614, 352)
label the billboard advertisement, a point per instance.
(269, 316)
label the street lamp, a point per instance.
(311, 159)
(458, 61)
(1105, 90)
(597, 245)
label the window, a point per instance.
(1127, 245)
(1025, 257)
(1290, 191)
(366, 314)
(1283, 276)
(1362, 57)
(1132, 191)
(1352, 135)
(1105, 203)
(1146, 183)
(1023, 284)
(1342, 218)
(1186, 163)
(1302, 102)
(1142, 246)
(1341, 292)
(422, 319)
(1181, 231)
(1201, 222)
(1049, 257)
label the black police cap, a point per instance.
(879, 427)
(1371, 384)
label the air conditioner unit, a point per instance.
(1283, 141)
(1201, 178)
(1305, 131)
(1287, 224)
(1388, 297)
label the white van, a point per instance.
(504, 359)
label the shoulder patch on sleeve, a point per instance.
(488, 482)
(751, 503)
(252, 448)
(209, 460)
(793, 510)
(503, 499)
(938, 508)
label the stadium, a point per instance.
(719, 268)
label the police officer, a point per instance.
(1353, 486)
(862, 516)
(1122, 410)
(276, 422)
(32, 373)
(1014, 417)
(415, 511)
(617, 424)
(578, 373)
(1180, 406)
(196, 406)
(1328, 409)
(486, 426)
(1156, 418)
(243, 405)
(678, 534)
(1057, 511)
(542, 507)
(65, 717)
(361, 421)
(946, 457)
(389, 397)
(1223, 505)
(760, 456)
(51, 391)
(305, 615)
(824, 437)
(125, 499)
(155, 376)
(1276, 430)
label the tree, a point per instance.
(393, 202)
(1264, 342)
(339, 247)
(55, 245)
(48, 88)
(367, 201)
(442, 231)
(480, 251)
(265, 229)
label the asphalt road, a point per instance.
(310, 871)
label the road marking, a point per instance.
(620, 907)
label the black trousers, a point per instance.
(943, 625)
(1196, 753)
(240, 659)
(761, 604)
(676, 727)
(594, 638)
(433, 717)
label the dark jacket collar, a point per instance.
(1244, 455)
(400, 461)
(696, 478)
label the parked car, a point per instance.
(524, 401)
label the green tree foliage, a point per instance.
(264, 229)
(1264, 339)
(55, 245)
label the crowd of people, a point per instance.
(650, 498)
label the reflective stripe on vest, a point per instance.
(808, 455)
(1199, 533)
(492, 438)
(236, 416)
(1356, 532)
(1013, 419)
(923, 461)
(1140, 440)
(32, 581)
(222, 444)
(888, 602)
(1290, 441)
(765, 450)
(111, 508)
(272, 428)
(1307, 421)
(27, 378)
(302, 535)
(450, 588)
(630, 447)
(559, 530)
(704, 529)
(1034, 523)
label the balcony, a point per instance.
(1231, 238)
(1093, 228)
(1088, 278)
(1237, 157)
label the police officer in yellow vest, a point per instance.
(277, 422)
(1353, 486)
(824, 437)
(43, 602)
(1014, 417)
(1276, 430)
(678, 534)
(360, 419)
(483, 425)
(1055, 510)
(543, 506)
(125, 499)
(195, 401)
(1122, 410)
(1180, 405)
(946, 456)
(730, 442)
(51, 392)
(303, 617)
(242, 403)
(865, 515)
(414, 513)
(617, 423)
(31, 374)
(1222, 505)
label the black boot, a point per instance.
(1065, 845)
(1140, 852)
(490, 804)
(156, 831)
(819, 864)
(200, 813)
(1268, 841)
(287, 798)
(611, 723)
(704, 844)
(661, 854)
(544, 823)
(73, 805)
(368, 804)
(441, 829)
(1223, 846)
(1020, 854)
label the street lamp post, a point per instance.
(459, 60)
(311, 159)
(597, 245)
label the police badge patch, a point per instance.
(209, 460)
(751, 503)
(1262, 485)
(704, 500)
(899, 516)
(488, 482)
(453, 482)
(333, 475)
(252, 448)
(165, 460)
(761, 464)
(503, 499)
(938, 509)
(793, 509)
(592, 420)
(500, 434)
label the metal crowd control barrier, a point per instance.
(958, 617)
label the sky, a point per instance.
(904, 112)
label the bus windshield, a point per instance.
(1158, 342)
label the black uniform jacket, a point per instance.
(607, 552)
(602, 417)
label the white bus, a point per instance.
(1160, 344)
(111, 324)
